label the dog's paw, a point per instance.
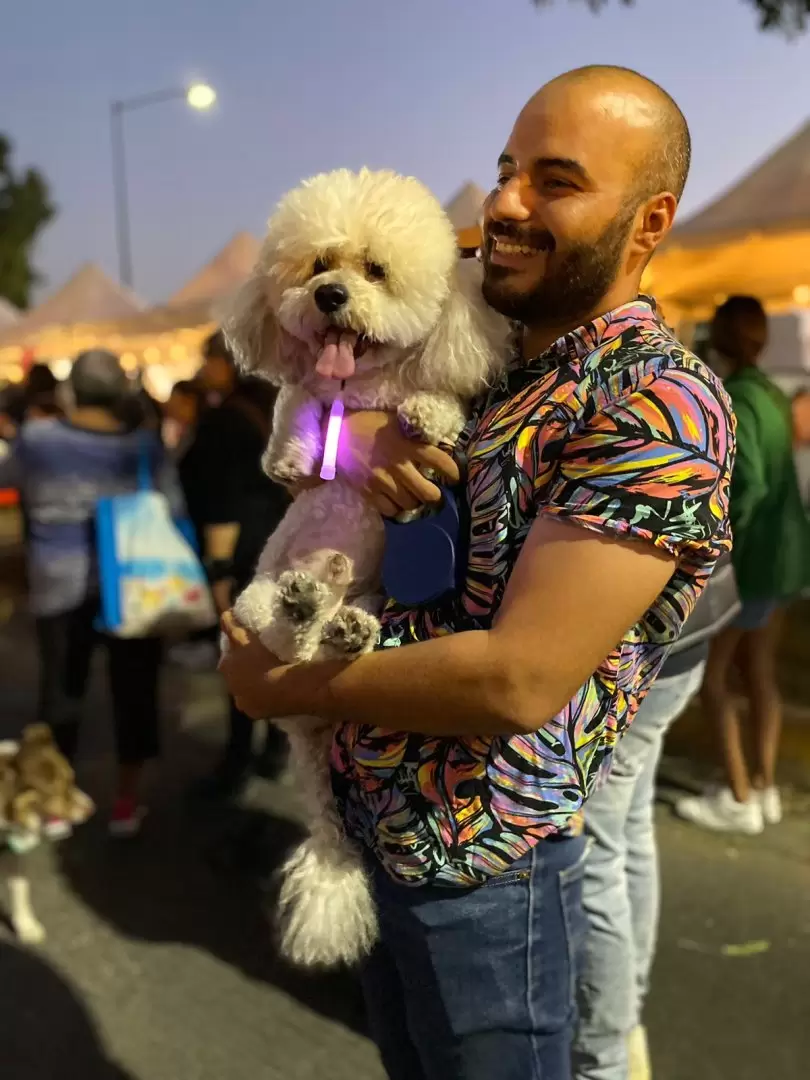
(351, 632)
(285, 470)
(301, 598)
(433, 418)
(293, 462)
(29, 929)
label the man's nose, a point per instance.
(511, 201)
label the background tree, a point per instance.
(790, 16)
(25, 208)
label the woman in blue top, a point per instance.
(62, 466)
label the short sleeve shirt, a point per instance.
(621, 430)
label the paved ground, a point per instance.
(159, 963)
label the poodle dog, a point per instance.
(358, 294)
(37, 791)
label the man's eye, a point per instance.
(375, 271)
(554, 183)
(502, 180)
(321, 266)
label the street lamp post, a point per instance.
(199, 96)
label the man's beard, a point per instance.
(574, 284)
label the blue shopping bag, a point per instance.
(151, 579)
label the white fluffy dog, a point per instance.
(358, 293)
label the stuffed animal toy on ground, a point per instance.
(358, 294)
(38, 798)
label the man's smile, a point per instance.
(514, 254)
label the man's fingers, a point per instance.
(439, 461)
(236, 633)
(389, 486)
(423, 490)
(383, 505)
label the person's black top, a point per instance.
(223, 480)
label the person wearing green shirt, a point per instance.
(771, 557)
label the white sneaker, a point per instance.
(639, 1054)
(721, 811)
(771, 802)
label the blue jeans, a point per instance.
(479, 984)
(621, 888)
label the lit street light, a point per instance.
(199, 96)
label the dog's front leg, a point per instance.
(296, 445)
(437, 419)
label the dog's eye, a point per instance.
(375, 271)
(321, 266)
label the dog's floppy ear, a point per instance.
(469, 344)
(251, 329)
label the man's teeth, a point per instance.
(505, 248)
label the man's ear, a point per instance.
(654, 223)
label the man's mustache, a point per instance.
(533, 238)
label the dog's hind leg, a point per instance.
(327, 913)
(27, 926)
(351, 632)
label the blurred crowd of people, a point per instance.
(69, 444)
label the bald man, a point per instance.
(596, 485)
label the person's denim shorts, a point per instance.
(756, 614)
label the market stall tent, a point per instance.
(228, 269)
(465, 211)
(754, 239)
(54, 328)
(164, 340)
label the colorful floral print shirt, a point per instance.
(621, 430)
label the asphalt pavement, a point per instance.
(159, 962)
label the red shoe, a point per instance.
(125, 820)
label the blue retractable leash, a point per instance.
(422, 560)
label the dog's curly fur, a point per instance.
(430, 344)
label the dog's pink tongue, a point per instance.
(336, 358)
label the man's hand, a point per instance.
(244, 667)
(383, 463)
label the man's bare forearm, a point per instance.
(454, 685)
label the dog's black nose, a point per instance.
(331, 298)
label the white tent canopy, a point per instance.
(89, 296)
(224, 272)
(466, 207)
(754, 239)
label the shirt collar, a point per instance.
(580, 343)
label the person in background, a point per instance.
(36, 397)
(181, 414)
(41, 393)
(234, 508)
(771, 557)
(62, 466)
(621, 890)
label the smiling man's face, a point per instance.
(557, 225)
